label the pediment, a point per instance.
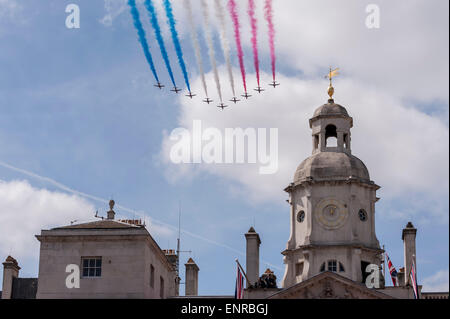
(329, 285)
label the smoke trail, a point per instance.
(120, 207)
(155, 24)
(237, 33)
(195, 41)
(176, 41)
(269, 17)
(212, 54)
(254, 25)
(142, 39)
(224, 41)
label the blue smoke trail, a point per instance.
(154, 21)
(176, 41)
(141, 34)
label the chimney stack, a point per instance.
(10, 271)
(191, 287)
(111, 213)
(252, 258)
(409, 246)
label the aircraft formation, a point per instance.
(222, 8)
(207, 100)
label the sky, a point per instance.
(81, 123)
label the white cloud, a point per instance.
(26, 210)
(8, 8)
(390, 78)
(113, 8)
(407, 57)
(437, 282)
(405, 150)
(10, 12)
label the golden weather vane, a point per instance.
(330, 76)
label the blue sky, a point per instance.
(78, 106)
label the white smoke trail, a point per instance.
(220, 13)
(212, 53)
(123, 208)
(195, 42)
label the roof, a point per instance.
(105, 227)
(331, 109)
(101, 224)
(329, 285)
(331, 166)
(24, 288)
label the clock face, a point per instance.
(331, 213)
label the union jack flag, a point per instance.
(412, 275)
(392, 271)
(239, 291)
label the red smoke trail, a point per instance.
(254, 24)
(237, 33)
(269, 17)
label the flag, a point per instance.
(412, 275)
(332, 73)
(392, 271)
(239, 291)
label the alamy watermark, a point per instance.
(73, 279)
(73, 19)
(373, 18)
(230, 146)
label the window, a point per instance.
(152, 276)
(301, 216)
(362, 215)
(299, 269)
(161, 287)
(316, 142)
(346, 145)
(92, 267)
(331, 136)
(332, 265)
(364, 265)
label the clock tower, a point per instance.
(332, 203)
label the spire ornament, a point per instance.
(330, 76)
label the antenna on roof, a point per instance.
(96, 215)
(179, 237)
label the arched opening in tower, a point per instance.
(331, 136)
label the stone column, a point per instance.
(191, 287)
(340, 141)
(10, 270)
(409, 246)
(253, 243)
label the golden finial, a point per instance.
(330, 76)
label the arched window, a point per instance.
(331, 136)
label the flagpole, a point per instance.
(384, 264)
(243, 272)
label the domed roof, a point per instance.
(331, 166)
(331, 109)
